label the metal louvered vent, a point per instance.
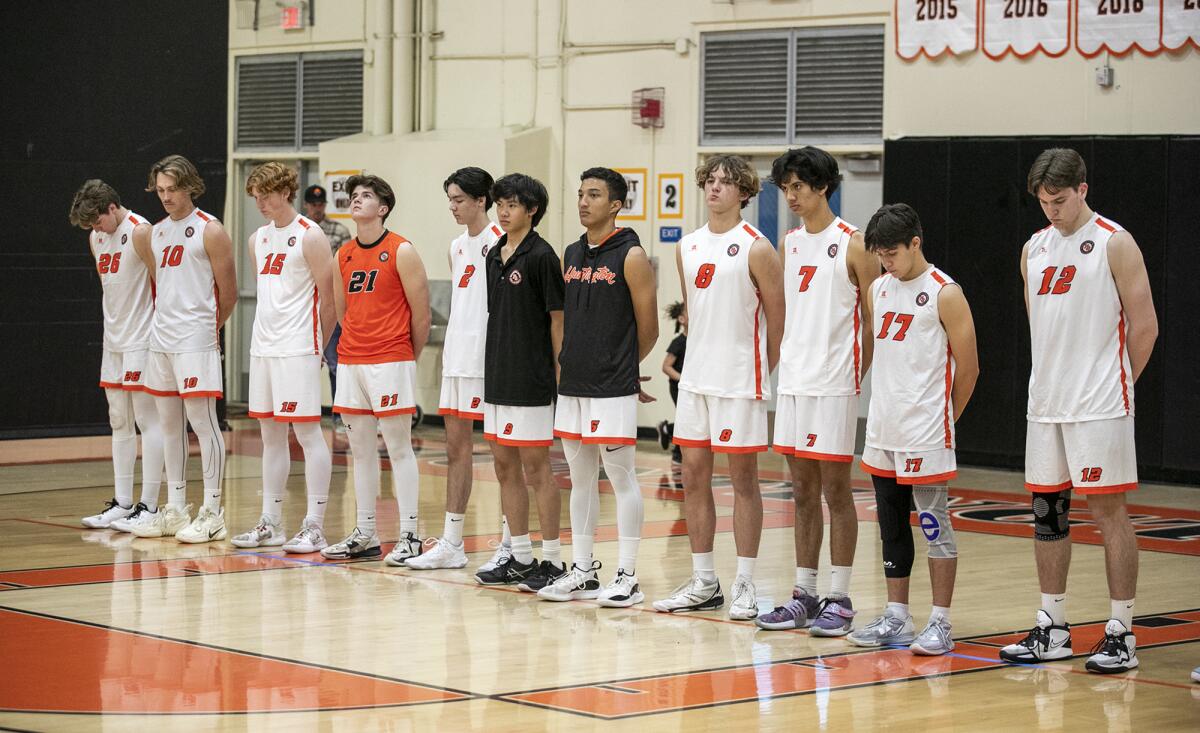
(332, 103)
(744, 87)
(296, 101)
(839, 84)
(789, 86)
(266, 102)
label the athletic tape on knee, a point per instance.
(1051, 516)
(935, 520)
(892, 503)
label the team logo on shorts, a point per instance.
(383, 256)
(124, 238)
(595, 425)
(474, 402)
(1087, 246)
(189, 231)
(733, 250)
(832, 251)
(922, 298)
(291, 241)
(507, 429)
(514, 277)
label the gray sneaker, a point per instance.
(835, 617)
(885, 631)
(935, 640)
(797, 613)
(697, 594)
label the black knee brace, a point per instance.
(1051, 520)
(893, 503)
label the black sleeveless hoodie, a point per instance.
(599, 356)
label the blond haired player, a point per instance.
(733, 292)
(292, 323)
(192, 258)
(1093, 327)
(128, 306)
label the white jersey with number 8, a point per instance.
(727, 331)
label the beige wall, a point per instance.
(513, 84)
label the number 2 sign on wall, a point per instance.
(670, 195)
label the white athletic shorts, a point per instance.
(597, 420)
(935, 466)
(382, 390)
(462, 397)
(519, 425)
(286, 388)
(192, 374)
(721, 424)
(1095, 457)
(123, 369)
(818, 428)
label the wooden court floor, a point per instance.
(101, 631)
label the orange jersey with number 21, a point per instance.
(377, 325)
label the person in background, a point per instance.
(315, 199)
(673, 368)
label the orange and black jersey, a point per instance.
(377, 325)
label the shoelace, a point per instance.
(110, 504)
(137, 511)
(1038, 638)
(942, 636)
(309, 534)
(1112, 645)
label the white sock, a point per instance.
(361, 432)
(318, 468)
(897, 610)
(177, 495)
(276, 463)
(806, 580)
(1123, 612)
(505, 535)
(124, 443)
(146, 416)
(452, 528)
(619, 467)
(202, 416)
(704, 565)
(397, 436)
(552, 551)
(745, 567)
(583, 461)
(522, 548)
(627, 550)
(839, 581)
(175, 448)
(1055, 606)
(942, 612)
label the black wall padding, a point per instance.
(92, 90)
(970, 193)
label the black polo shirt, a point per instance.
(518, 354)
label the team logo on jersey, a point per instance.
(514, 277)
(832, 251)
(1087, 246)
(291, 241)
(483, 251)
(733, 250)
(383, 256)
(922, 298)
(124, 238)
(189, 231)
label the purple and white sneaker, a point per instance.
(797, 613)
(835, 617)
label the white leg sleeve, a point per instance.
(397, 435)
(584, 464)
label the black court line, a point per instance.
(815, 661)
(466, 695)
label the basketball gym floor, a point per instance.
(103, 631)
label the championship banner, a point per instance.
(934, 27)
(1117, 26)
(1180, 24)
(1024, 27)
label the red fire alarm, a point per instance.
(291, 18)
(648, 107)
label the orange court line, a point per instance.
(78, 667)
(787, 678)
